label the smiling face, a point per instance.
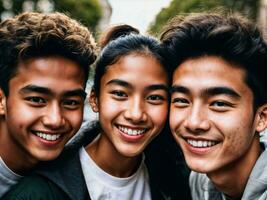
(212, 115)
(132, 104)
(43, 110)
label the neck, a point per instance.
(16, 158)
(225, 179)
(110, 160)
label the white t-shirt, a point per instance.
(103, 186)
(8, 178)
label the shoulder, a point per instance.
(35, 187)
(84, 136)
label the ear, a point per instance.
(2, 102)
(262, 118)
(93, 101)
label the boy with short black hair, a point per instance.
(44, 67)
(219, 103)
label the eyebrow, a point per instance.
(76, 92)
(128, 85)
(47, 91)
(213, 91)
(179, 89)
(37, 89)
(119, 82)
(221, 91)
(157, 87)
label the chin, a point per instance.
(48, 156)
(131, 154)
(199, 167)
(199, 170)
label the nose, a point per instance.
(197, 120)
(135, 111)
(53, 117)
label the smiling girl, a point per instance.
(130, 95)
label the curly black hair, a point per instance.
(32, 34)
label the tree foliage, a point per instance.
(247, 7)
(87, 11)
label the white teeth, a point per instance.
(200, 143)
(129, 131)
(48, 137)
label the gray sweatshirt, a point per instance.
(256, 188)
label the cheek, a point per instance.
(237, 133)
(75, 118)
(21, 116)
(175, 119)
(108, 105)
(158, 115)
(110, 108)
(235, 143)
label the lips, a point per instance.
(47, 136)
(131, 131)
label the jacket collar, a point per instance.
(67, 168)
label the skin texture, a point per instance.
(211, 102)
(133, 95)
(46, 95)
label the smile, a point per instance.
(200, 143)
(48, 137)
(130, 131)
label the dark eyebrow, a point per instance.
(221, 91)
(209, 91)
(119, 82)
(37, 89)
(47, 91)
(76, 92)
(128, 85)
(180, 89)
(158, 87)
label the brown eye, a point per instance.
(219, 103)
(119, 93)
(155, 97)
(221, 106)
(36, 100)
(71, 104)
(180, 100)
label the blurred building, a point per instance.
(263, 16)
(106, 14)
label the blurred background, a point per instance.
(149, 16)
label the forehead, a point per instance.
(51, 64)
(209, 71)
(49, 72)
(137, 68)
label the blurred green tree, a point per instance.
(87, 12)
(247, 7)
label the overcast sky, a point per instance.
(138, 13)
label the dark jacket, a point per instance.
(63, 178)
